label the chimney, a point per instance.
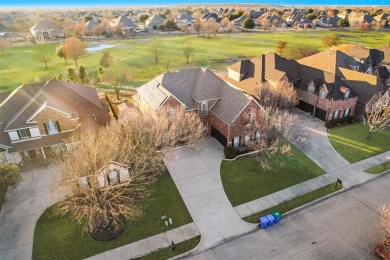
(262, 67)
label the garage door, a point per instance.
(304, 106)
(218, 136)
(320, 114)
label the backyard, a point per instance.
(244, 180)
(21, 64)
(58, 237)
(352, 143)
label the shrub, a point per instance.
(230, 152)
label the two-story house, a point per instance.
(46, 31)
(36, 119)
(224, 109)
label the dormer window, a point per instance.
(24, 133)
(52, 127)
(323, 93)
(204, 108)
(311, 88)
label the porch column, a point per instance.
(43, 153)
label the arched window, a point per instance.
(247, 139)
(346, 94)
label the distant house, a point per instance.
(46, 31)
(327, 21)
(12, 37)
(239, 21)
(184, 19)
(126, 25)
(89, 27)
(154, 22)
(208, 16)
(299, 20)
(96, 17)
(356, 19)
(383, 19)
(224, 110)
(37, 118)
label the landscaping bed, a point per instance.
(59, 237)
(244, 180)
(296, 202)
(379, 168)
(352, 143)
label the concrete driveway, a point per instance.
(336, 228)
(25, 204)
(197, 177)
(318, 146)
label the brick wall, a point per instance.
(50, 114)
(342, 105)
(307, 97)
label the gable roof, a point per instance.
(124, 22)
(386, 52)
(155, 20)
(364, 54)
(44, 25)
(90, 25)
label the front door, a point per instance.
(32, 154)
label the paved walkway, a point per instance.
(24, 206)
(318, 147)
(336, 228)
(197, 177)
(150, 244)
(351, 175)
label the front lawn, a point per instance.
(296, 202)
(58, 237)
(244, 180)
(379, 168)
(351, 142)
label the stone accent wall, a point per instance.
(50, 114)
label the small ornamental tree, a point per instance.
(44, 54)
(188, 51)
(106, 59)
(343, 23)
(74, 48)
(248, 24)
(364, 27)
(117, 78)
(82, 75)
(9, 175)
(60, 52)
(280, 47)
(71, 75)
(331, 40)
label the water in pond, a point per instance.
(99, 48)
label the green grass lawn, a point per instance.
(379, 168)
(58, 237)
(244, 180)
(168, 253)
(18, 64)
(296, 202)
(351, 142)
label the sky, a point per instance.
(98, 3)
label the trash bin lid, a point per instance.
(276, 213)
(264, 219)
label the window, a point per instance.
(170, 112)
(311, 88)
(52, 127)
(204, 108)
(323, 93)
(236, 141)
(249, 117)
(247, 139)
(346, 112)
(24, 133)
(258, 136)
(336, 114)
(346, 95)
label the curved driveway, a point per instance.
(197, 177)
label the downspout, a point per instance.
(228, 136)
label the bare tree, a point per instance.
(117, 77)
(138, 143)
(188, 51)
(198, 26)
(98, 30)
(381, 233)
(224, 23)
(211, 26)
(44, 54)
(79, 29)
(74, 48)
(230, 27)
(155, 48)
(264, 24)
(377, 115)
(3, 44)
(280, 97)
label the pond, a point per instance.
(99, 48)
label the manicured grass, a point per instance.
(351, 142)
(379, 168)
(58, 237)
(244, 180)
(21, 63)
(296, 202)
(168, 253)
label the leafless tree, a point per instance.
(44, 54)
(377, 115)
(224, 23)
(280, 97)
(211, 26)
(188, 51)
(230, 27)
(264, 24)
(155, 48)
(116, 77)
(140, 142)
(74, 48)
(381, 233)
(98, 30)
(79, 29)
(198, 26)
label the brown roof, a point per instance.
(79, 100)
(386, 51)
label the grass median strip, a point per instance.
(379, 168)
(166, 253)
(296, 202)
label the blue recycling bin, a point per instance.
(277, 216)
(271, 219)
(263, 222)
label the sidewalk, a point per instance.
(150, 244)
(351, 175)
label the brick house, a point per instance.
(36, 118)
(224, 110)
(330, 84)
